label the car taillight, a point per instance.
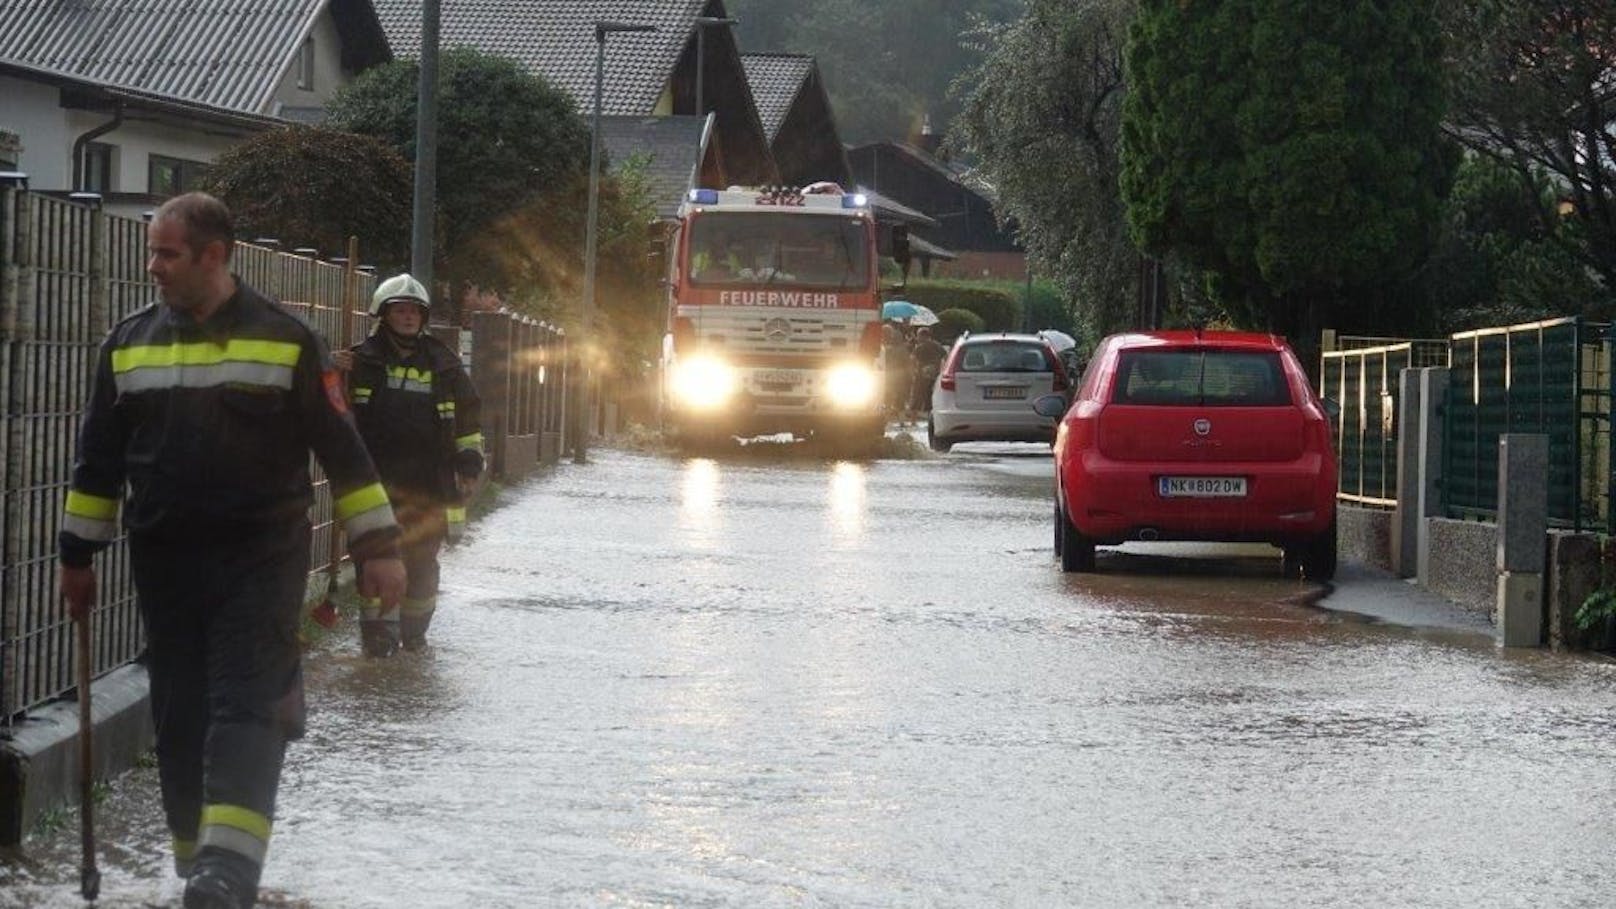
(1057, 370)
(684, 334)
(946, 380)
(1082, 425)
(870, 341)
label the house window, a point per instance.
(10, 150)
(97, 168)
(171, 176)
(305, 65)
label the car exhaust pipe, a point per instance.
(1149, 534)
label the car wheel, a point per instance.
(937, 444)
(1076, 550)
(1060, 525)
(1318, 556)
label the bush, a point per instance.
(999, 309)
(951, 323)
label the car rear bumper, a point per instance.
(1114, 501)
(992, 426)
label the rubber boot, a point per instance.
(222, 881)
(413, 626)
(378, 638)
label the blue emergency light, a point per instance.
(704, 196)
(855, 200)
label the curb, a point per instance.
(39, 758)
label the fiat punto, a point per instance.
(1186, 435)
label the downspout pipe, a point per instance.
(81, 142)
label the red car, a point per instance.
(1189, 435)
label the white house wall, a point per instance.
(328, 72)
(32, 111)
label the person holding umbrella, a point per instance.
(928, 357)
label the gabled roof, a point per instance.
(556, 38)
(227, 54)
(674, 147)
(149, 101)
(776, 81)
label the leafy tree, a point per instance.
(508, 140)
(1291, 150)
(1532, 89)
(311, 186)
(1504, 254)
(1042, 115)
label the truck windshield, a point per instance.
(774, 248)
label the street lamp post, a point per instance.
(580, 445)
(702, 24)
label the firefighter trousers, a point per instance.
(221, 621)
(423, 523)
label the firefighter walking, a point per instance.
(206, 407)
(418, 414)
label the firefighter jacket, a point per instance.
(418, 414)
(211, 426)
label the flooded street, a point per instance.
(762, 679)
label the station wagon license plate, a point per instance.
(1004, 392)
(1201, 487)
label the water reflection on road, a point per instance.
(755, 679)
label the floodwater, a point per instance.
(762, 679)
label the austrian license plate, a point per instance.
(1201, 487)
(1004, 392)
(779, 377)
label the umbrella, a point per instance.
(904, 311)
(1059, 340)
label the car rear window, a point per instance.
(1004, 356)
(1208, 378)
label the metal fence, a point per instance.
(1363, 379)
(1551, 377)
(68, 272)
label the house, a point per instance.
(646, 74)
(797, 116)
(134, 100)
(676, 155)
(967, 227)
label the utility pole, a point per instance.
(426, 149)
(581, 388)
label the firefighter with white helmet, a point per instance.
(418, 414)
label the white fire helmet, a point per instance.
(399, 287)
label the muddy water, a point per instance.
(760, 680)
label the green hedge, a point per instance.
(998, 308)
(951, 323)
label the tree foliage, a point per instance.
(1041, 114)
(507, 140)
(1534, 87)
(1289, 149)
(887, 65)
(315, 187)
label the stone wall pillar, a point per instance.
(1406, 520)
(1523, 517)
(1427, 494)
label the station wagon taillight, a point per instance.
(946, 380)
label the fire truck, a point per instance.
(773, 316)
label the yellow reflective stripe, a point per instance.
(184, 850)
(361, 500)
(471, 441)
(98, 508)
(410, 373)
(455, 514)
(237, 350)
(237, 817)
(418, 605)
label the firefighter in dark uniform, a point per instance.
(207, 406)
(418, 414)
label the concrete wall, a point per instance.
(1364, 535)
(1464, 563)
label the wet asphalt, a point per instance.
(768, 677)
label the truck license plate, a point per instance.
(779, 377)
(1201, 487)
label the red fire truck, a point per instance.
(773, 316)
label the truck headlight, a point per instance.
(702, 383)
(851, 386)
